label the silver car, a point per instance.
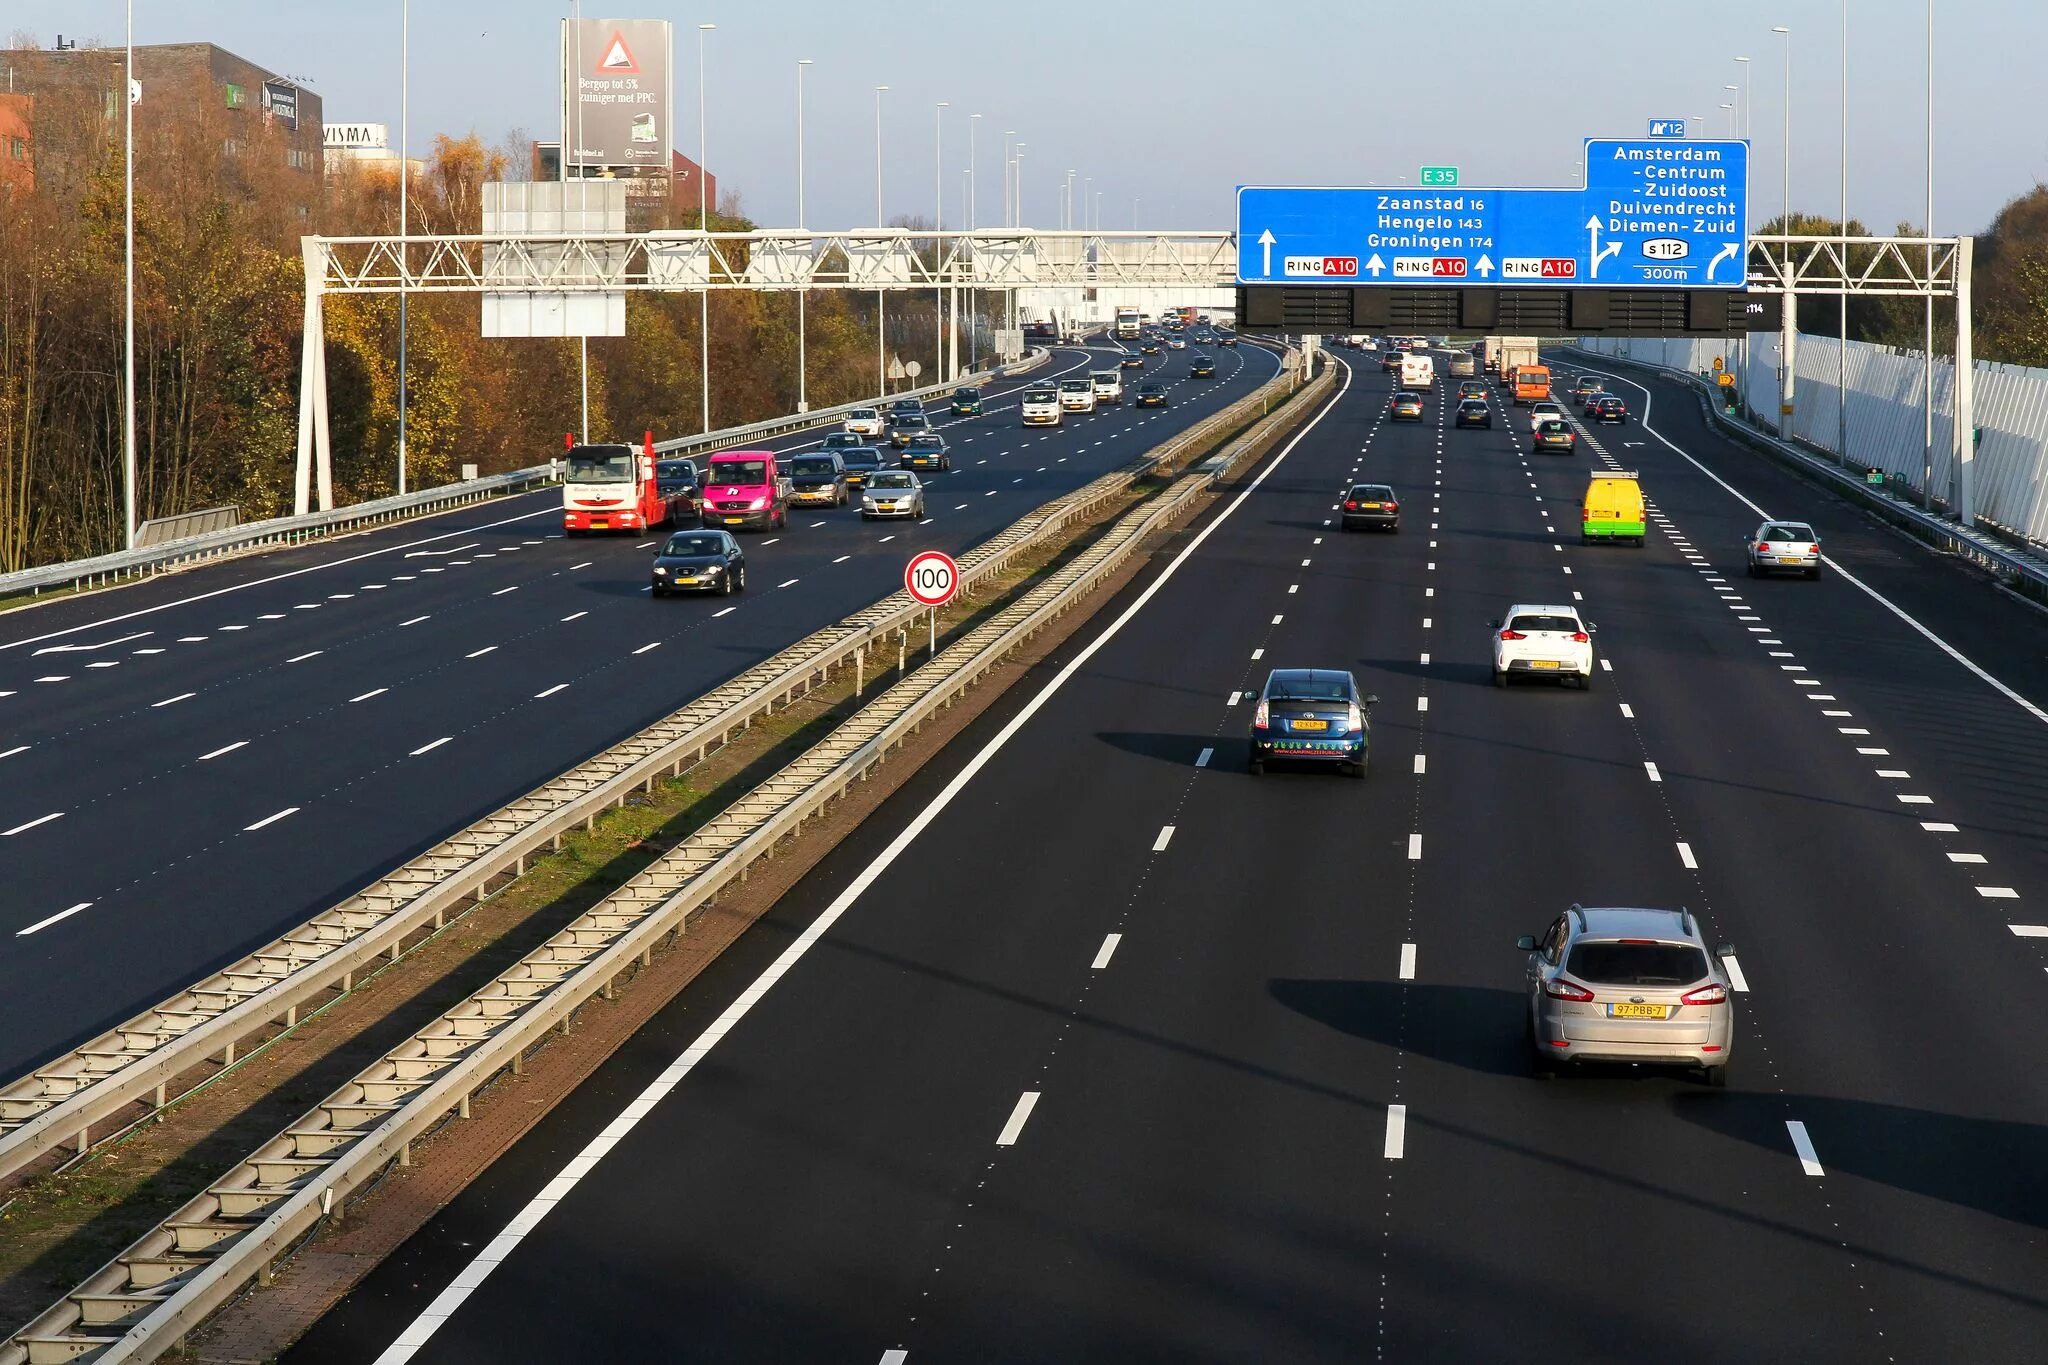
(1778, 546)
(892, 493)
(1628, 985)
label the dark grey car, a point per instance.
(700, 561)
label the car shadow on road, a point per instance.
(1478, 1028)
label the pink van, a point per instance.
(745, 488)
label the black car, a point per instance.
(845, 440)
(1203, 367)
(677, 480)
(1371, 505)
(1132, 361)
(906, 405)
(1474, 412)
(700, 561)
(1226, 338)
(860, 462)
(1556, 435)
(817, 478)
(967, 402)
(1148, 347)
(1152, 394)
(1314, 715)
(1608, 408)
(927, 451)
(904, 425)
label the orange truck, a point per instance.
(1531, 385)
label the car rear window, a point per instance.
(864, 458)
(814, 464)
(1554, 429)
(1527, 622)
(1788, 532)
(1636, 964)
(1305, 689)
(1372, 492)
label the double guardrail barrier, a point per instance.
(186, 551)
(144, 1301)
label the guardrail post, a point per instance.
(462, 1108)
(404, 1154)
(227, 1056)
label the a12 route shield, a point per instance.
(1651, 213)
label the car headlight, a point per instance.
(757, 504)
(660, 572)
(867, 504)
(710, 569)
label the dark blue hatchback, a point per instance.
(1313, 715)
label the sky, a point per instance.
(1165, 107)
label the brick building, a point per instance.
(17, 167)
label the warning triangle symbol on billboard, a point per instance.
(617, 59)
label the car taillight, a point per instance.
(1391, 506)
(1763, 547)
(1580, 637)
(1261, 717)
(1715, 994)
(1354, 719)
(1558, 989)
(1350, 506)
(1512, 635)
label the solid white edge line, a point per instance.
(1014, 1129)
(1809, 1160)
(437, 1313)
(46, 923)
(1108, 948)
(1397, 1132)
(1944, 646)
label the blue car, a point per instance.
(1312, 715)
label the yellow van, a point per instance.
(1613, 509)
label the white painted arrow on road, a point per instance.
(1600, 253)
(1266, 240)
(1374, 265)
(1485, 266)
(1728, 251)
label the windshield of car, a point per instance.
(1788, 531)
(1472, 405)
(892, 478)
(693, 544)
(601, 464)
(740, 471)
(1038, 396)
(1308, 689)
(866, 457)
(932, 442)
(841, 440)
(825, 465)
(966, 395)
(911, 419)
(1636, 964)
(675, 471)
(862, 415)
(1152, 388)
(1104, 376)
(1073, 385)
(1529, 622)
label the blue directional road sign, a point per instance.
(1652, 213)
(1667, 127)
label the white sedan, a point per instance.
(1546, 411)
(1538, 641)
(1782, 545)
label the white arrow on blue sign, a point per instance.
(1651, 213)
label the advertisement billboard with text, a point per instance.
(619, 101)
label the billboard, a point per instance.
(619, 103)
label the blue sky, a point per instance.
(1172, 104)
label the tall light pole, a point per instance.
(1748, 114)
(1730, 107)
(1069, 191)
(1927, 230)
(881, 297)
(1788, 336)
(1087, 199)
(1017, 197)
(803, 398)
(404, 195)
(1008, 220)
(1842, 232)
(973, 316)
(1747, 105)
(1135, 200)
(704, 225)
(573, 89)
(938, 239)
(128, 277)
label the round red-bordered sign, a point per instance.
(931, 578)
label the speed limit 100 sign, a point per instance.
(932, 578)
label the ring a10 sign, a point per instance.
(931, 578)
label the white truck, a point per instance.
(1127, 324)
(1503, 353)
(1417, 372)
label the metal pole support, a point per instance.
(1966, 392)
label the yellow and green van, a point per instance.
(1613, 509)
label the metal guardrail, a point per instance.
(779, 426)
(146, 1299)
(184, 525)
(129, 1072)
(2022, 569)
(185, 550)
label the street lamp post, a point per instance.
(1842, 232)
(1927, 230)
(1730, 107)
(128, 278)
(1747, 108)
(973, 346)
(938, 238)
(704, 225)
(803, 400)
(881, 296)
(1788, 343)
(404, 129)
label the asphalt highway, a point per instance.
(192, 766)
(1092, 1046)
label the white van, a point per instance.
(1077, 395)
(1108, 384)
(1417, 372)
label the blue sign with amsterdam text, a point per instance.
(1652, 212)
